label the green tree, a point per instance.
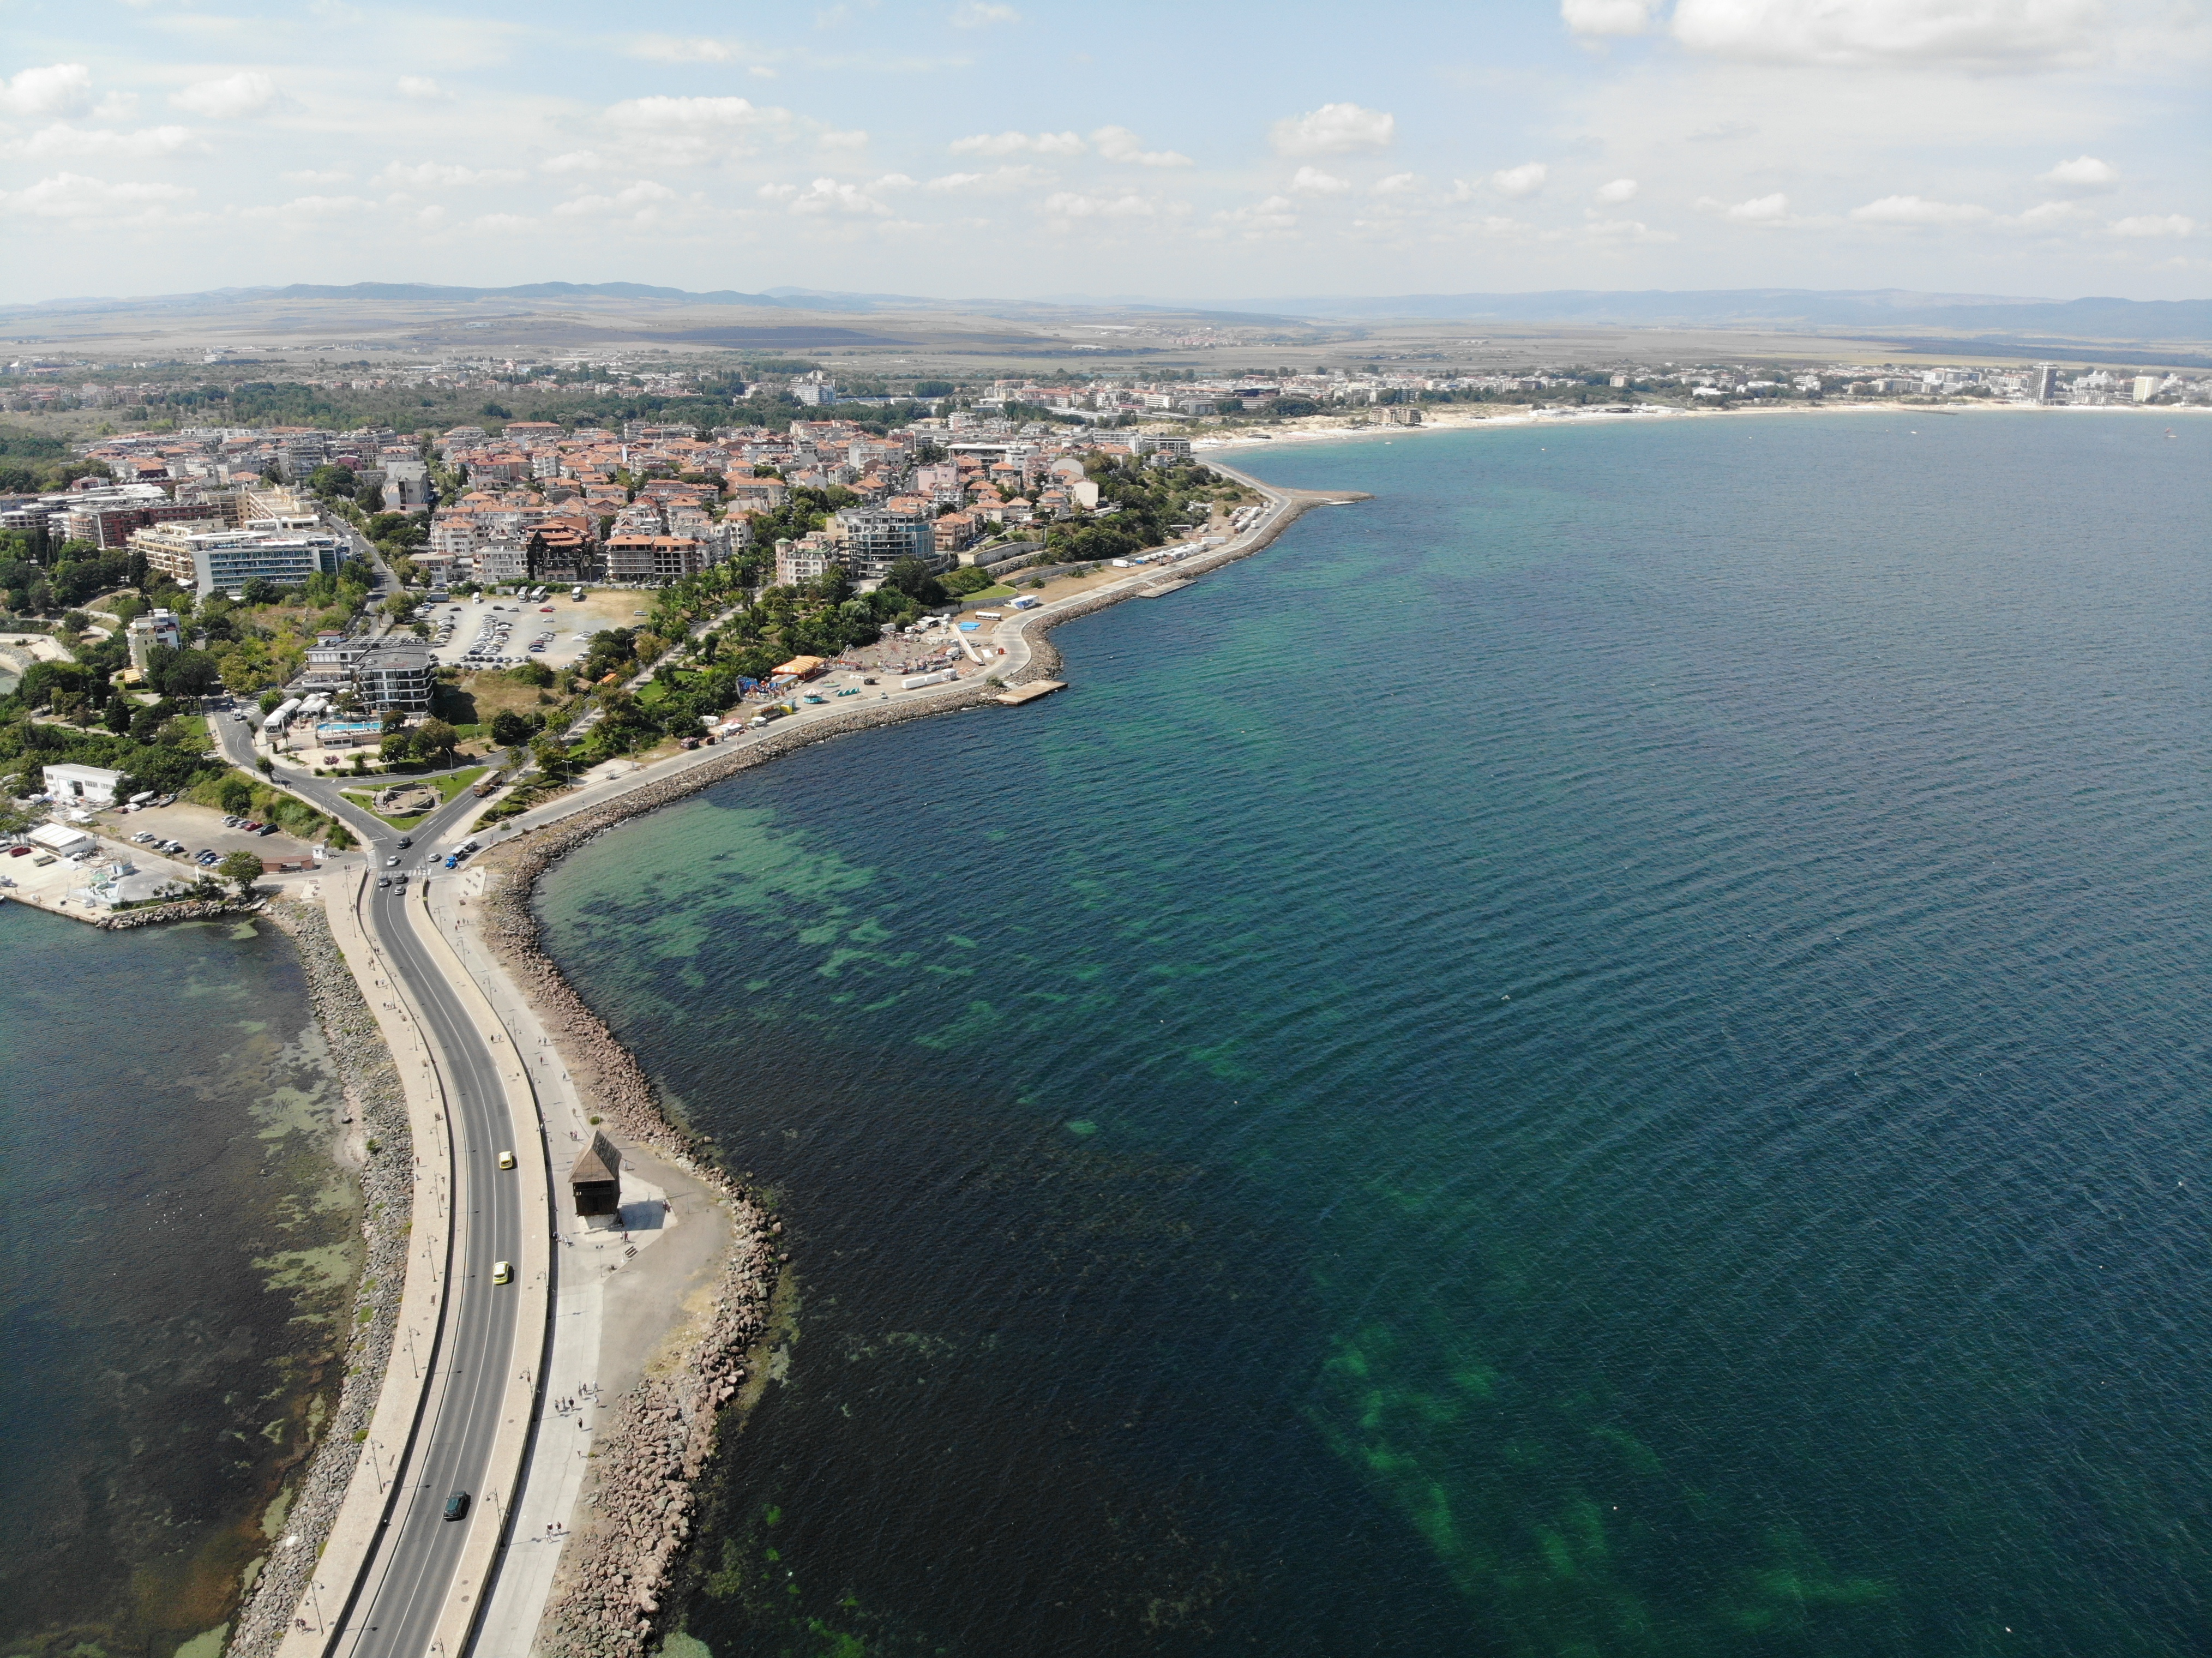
(435, 740)
(509, 728)
(237, 797)
(242, 867)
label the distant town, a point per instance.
(204, 579)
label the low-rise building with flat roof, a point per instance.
(91, 785)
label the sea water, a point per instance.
(1604, 1054)
(177, 1245)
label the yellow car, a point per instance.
(506, 1159)
(502, 1273)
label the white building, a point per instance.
(93, 786)
(156, 630)
(61, 840)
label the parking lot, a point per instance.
(498, 632)
(200, 828)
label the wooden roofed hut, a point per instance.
(596, 1181)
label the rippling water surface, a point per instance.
(1605, 1053)
(175, 1244)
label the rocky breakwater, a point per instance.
(193, 909)
(652, 1444)
(387, 1156)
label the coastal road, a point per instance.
(401, 1596)
(404, 1589)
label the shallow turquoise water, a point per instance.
(174, 1249)
(1603, 1054)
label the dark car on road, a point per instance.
(456, 1505)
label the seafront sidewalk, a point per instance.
(408, 1377)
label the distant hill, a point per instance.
(1789, 307)
(1880, 313)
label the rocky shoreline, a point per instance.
(652, 1444)
(371, 1081)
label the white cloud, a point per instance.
(2084, 172)
(315, 207)
(1624, 230)
(2045, 216)
(1018, 144)
(503, 224)
(1619, 191)
(233, 98)
(981, 14)
(71, 195)
(1987, 34)
(1066, 204)
(1272, 215)
(998, 181)
(836, 139)
(672, 49)
(1917, 210)
(313, 178)
(576, 161)
(57, 90)
(421, 90)
(1312, 181)
(1523, 180)
(663, 114)
(2153, 224)
(1120, 144)
(433, 175)
(667, 131)
(830, 196)
(644, 194)
(1759, 209)
(1397, 184)
(62, 139)
(1333, 129)
(1607, 17)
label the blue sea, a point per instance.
(1604, 1054)
(177, 1249)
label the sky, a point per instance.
(1193, 153)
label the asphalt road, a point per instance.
(403, 1592)
(409, 1579)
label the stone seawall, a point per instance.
(371, 1081)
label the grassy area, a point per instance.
(984, 596)
(447, 787)
(478, 696)
(271, 805)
